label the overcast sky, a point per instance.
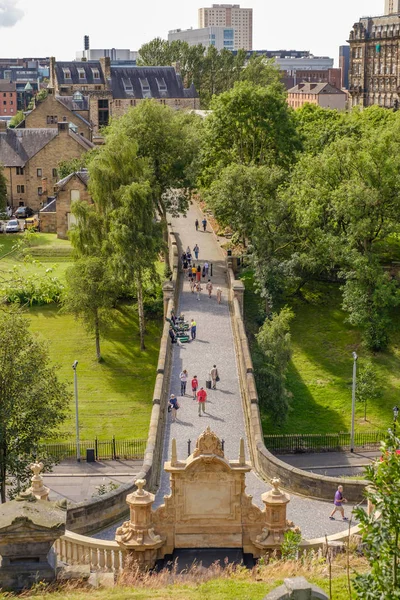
(43, 28)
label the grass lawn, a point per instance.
(320, 373)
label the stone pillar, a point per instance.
(168, 293)
(238, 292)
(275, 523)
(137, 535)
(28, 530)
(37, 488)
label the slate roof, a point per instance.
(17, 146)
(73, 67)
(314, 88)
(7, 86)
(50, 206)
(82, 175)
(71, 104)
(148, 82)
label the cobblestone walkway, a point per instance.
(215, 345)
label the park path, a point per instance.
(215, 345)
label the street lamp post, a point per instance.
(395, 415)
(353, 400)
(78, 449)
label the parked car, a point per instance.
(13, 226)
(32, 223)
(23, 212)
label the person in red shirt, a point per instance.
(201, 399)
(195, 385)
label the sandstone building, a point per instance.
(322, 94)
(30, 158)
(374, 73)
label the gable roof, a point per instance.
(148, 82)
(73, 66)
(314, 89)
(71, 104)
(17, 146)
(82, 175)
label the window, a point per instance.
(20, 170)
(40, 191)
(117, 102)
(4, 102)
(162, 86)
(82, 74)
(55, 174)
(11, 95)
(4, 95)
(67, 74)
(144, 83)
(11, 102)
(52, 119)
(96, 74)
(103, 112)
(97, 87)
(75, 196)
(20, 189)
(127, 83)
(39, 172)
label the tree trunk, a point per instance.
(97, 335)
(142, 325)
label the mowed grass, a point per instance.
(115, 396)
(320, 373)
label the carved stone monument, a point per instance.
(28, 530)
(207, 508)
(40, 491)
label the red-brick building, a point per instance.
(8, 99)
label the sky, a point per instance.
(40, 28)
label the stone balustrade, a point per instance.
(100, 555)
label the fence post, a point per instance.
(96, 449)
(113, 448)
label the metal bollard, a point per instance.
(211, 269)
(223, 445)
(189, 443)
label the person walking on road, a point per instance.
(338, 504)
(194, 269)
(193, 329)
(201, 400)
(206, 267)
(173, 405)
(219, 295)
(196, 251)
(209, 288)
(214, 377)
(183, 376)
(198, 273)
(196, 223)
(198, 289)
(195, 385)
(204, 223)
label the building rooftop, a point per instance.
(148, 82)
(7, 86)
(314, 89)
(75, 73)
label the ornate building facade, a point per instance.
(374, 74)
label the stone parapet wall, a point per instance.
(265, 463)
(98, 513)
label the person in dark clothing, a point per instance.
(196, 224)
(204, 223)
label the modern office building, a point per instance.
(220, 37)
(230, 15)
(344, 65)
(392, 7)
(114, 54)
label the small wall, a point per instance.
(266, 464)
(98, 513)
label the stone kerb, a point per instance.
(98, 513)
(265, 463)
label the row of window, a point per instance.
(21, 170)
(5, 94)
(81, 73)
(21, 190)
(11, 102)
(11, 110)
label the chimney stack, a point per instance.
(86, 45)
(3, 126)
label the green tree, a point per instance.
(66, 167)
(3, 189)
(381, 535)
(272, 358)
(16, 119)
(261, 71)
(136, 241)
(252, 125)
(33, 403)
(91, 293)
(368, 388)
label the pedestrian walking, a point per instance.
(192, 284)
(189, 257)
(338, 504)
(196, 251)
(204, 223)
(206, 267)
(196, 223)
(194, 269)
(198, 289)
(219, 295)
(195, 385)
(193, 329)
(198, 273)
(214, 377)
(185, 266)
(183, 376)
(201, 400)
(209, 288)
(173, 407)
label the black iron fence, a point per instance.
(103, 449)
(327, 442)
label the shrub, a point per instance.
(33, 290)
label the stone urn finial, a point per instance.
(37, 489)
(140, 483)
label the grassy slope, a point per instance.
(114, 396)
(217, 589)
(320, 372)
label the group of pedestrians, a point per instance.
(198, 392)
(204, 224)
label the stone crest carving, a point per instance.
(207, 444)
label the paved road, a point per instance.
(78, 482)
(333, 464)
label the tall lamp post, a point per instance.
(395, 415)
(353, 400)
(78, 449)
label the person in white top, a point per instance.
(183, 376)
(209, 288)
(206, 267)
(219, 295)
